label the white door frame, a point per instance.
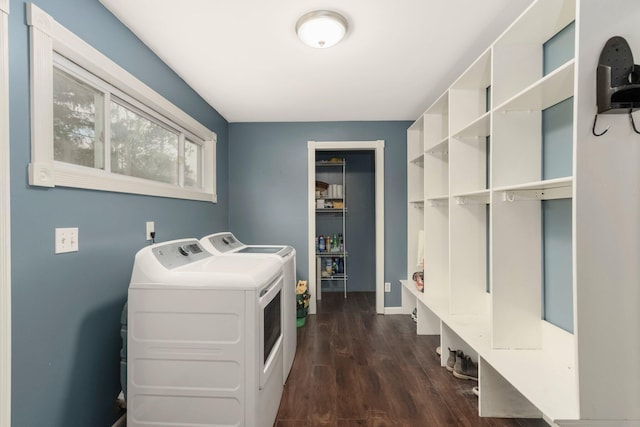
(378, 147)
(5, 224)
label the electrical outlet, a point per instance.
(66, 240)
(387, 286)
(151, 227)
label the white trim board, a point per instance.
(5, 225)
(378, 147)
(394, 310)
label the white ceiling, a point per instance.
(244, 58)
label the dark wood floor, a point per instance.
(356, 368)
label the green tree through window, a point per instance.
(77, 129)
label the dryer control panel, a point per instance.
(177, 254)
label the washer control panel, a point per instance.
(177, 254)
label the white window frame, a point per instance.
(48, 37)
(5, 224)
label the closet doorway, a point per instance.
(318, 150)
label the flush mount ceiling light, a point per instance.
(321, 28)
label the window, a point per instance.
(96, 126)
(142, 148)
(76, 121)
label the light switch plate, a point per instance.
(66, 240)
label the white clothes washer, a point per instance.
(226, 243)
(204, 338)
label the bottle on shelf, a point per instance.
(328, 268)
(321, 245)
(341, 244)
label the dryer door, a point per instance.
(270, 328)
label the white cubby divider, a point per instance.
(436, 171)
(468, 94)
(481, 150)
(468, 165)
(436, 123)
(415, 191)
(468, 255)
(436, 247)
(516, 274)
(516, 147)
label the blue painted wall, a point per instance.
(268, 186)
(557, 140)
(557, 162)
(559, 49)
(66, 308)
(557, 255)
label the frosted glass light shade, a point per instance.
(321, 28)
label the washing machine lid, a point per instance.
(227, 243)
(260, 250)
(184, 263)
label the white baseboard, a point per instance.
(394, 310)
(598, 423)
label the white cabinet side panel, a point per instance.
(607, 227)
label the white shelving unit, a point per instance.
(335, 173)
(480, 149)
(415, 195)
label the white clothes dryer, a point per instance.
(204, 338)
(226, 243)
